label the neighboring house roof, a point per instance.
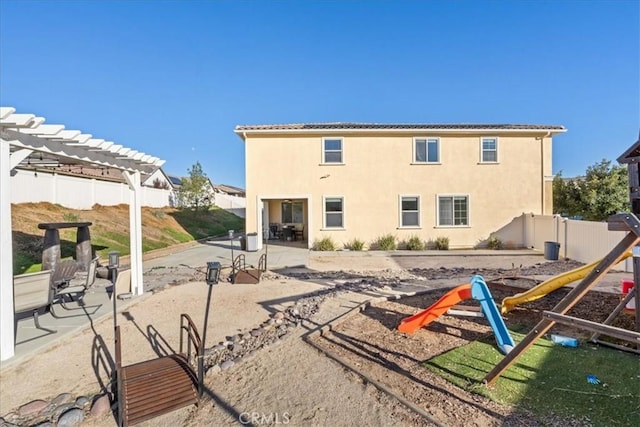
(228, 189)
(157, 175)
(175, 180)
(347, 126)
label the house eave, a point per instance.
(243, 132)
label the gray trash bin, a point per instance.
(243, 243)
(551, 250)
(252, 242)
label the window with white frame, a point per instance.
(332, 150)
(409, 211)
(453, 211)
(334, 212)
(489, 150)
(426, 150)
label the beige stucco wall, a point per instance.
(378, 169)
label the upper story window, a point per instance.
(332, 150)
(453, 211)
(426, 150)
(409, 211)
(489, 150)
(334, 212)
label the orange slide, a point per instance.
(424, 317)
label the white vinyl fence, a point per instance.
(234, 204)
(79, 193)
(584, 241)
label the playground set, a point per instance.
(589, 275)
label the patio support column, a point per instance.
(7, 349)
(135, 230)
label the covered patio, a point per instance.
(27, 143)
(286, 219)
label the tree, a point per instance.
(603, 191)
(157, 183)
(195, 191)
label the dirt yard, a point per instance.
(292, 383)
(296, 382)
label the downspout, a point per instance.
(542, 177)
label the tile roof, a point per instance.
(396, 126)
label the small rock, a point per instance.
(81, 401)
(62, 398)
(43, 424)
(226, 365)
(32, 407)
(101, 406)
(72, 417)
(213, 370)
(57, 413)
(278, 316)
(256, 332)
(219, 347)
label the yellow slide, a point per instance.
(550, 285)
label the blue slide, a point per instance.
(480, 292)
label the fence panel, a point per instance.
(545, 229)
(587, 241)
(583, 241)
(78, 193)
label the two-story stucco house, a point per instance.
(356, 180)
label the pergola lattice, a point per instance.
(26, 142)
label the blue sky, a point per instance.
(173, 78)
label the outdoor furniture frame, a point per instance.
(158, 386)
(61, 289)
(32, 294)
(74, 291)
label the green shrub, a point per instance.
(494, 243)
(354, 245)
(415, 243)
(324, 244)
(70, 217)
(442, 243)
(385, 243)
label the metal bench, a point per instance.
(158, 386)
(32, 294)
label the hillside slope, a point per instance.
(161, 227)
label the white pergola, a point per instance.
(22, 136)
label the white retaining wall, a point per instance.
(234, 204)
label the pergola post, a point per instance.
(135, 230)
(7, 348)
